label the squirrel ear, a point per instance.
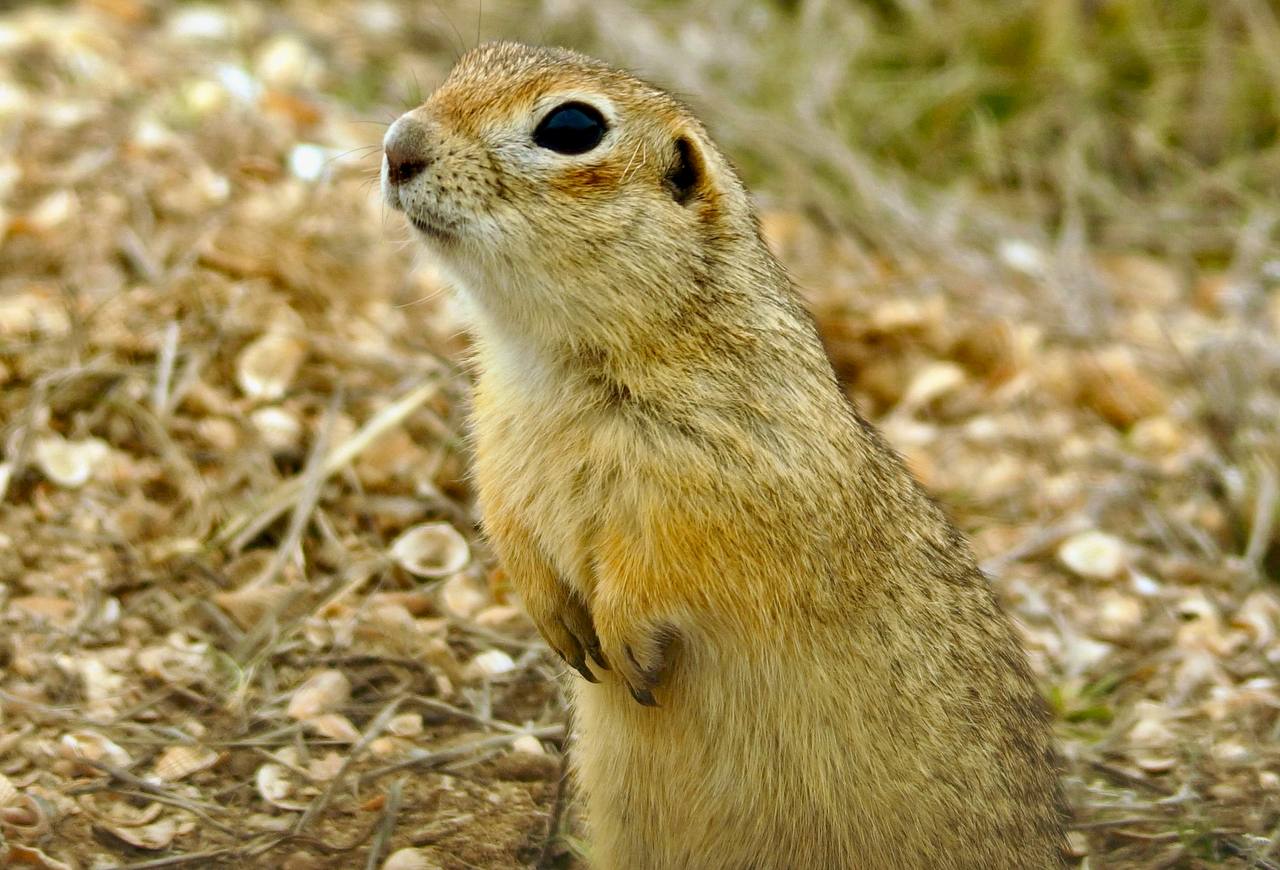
(686, 171)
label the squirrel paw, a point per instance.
(567, 629)
(642, 661)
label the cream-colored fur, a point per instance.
(679, 489)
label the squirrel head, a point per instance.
(571, 202)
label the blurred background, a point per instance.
(245, 612)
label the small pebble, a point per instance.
(493, 662)
(1093, 554)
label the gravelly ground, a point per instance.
(245, 615)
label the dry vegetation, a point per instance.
(245, 616)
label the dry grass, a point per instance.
(1041, 245)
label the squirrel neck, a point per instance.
(716, 345)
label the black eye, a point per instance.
(571, 128)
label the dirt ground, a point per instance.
(246, 617)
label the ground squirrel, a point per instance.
(789, 656)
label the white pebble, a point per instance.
(529, 744)
(280, 430)
(284, 62)
(1022, 256)
(69, 464)
(308, 162)
(1093, 554)
(431, 550)
(239, 83)
(493, 662)
(201, 23)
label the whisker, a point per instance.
(462, 45)
(625, 172)
(363, 148)
(430, 297)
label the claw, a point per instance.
(644, 696)
(651, 675)
(597, 655)
(581, 667)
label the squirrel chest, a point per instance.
(575, 477)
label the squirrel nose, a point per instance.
(405, 149)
